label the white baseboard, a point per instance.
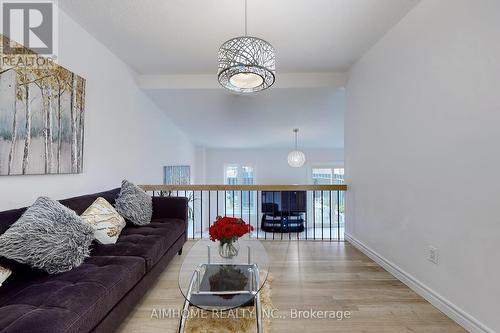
(461, 317)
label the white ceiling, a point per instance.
(217, 118)
(183, 36)
(173, 46)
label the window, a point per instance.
(231, 175)
(239, 203)
(246, 175)
(338, 175)
(322, 176)
(323, 199)
(327, 176)
(235, 174)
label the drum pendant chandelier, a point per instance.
(246, 64)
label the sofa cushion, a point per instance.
(78, 204)
(105, 221)
(73, 301)
(5, 272)
(149, 242)
(49, 236)
(134, 204)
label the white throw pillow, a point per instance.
(105, 220)
(4, 274)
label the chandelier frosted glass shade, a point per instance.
(296, 159)
(246, 64)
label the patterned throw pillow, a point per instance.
(4, 274)
(48, 236)
(105, 220)
(134, 204)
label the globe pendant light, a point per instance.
(246, 64)
(296, 158)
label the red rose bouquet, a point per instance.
(228, 229)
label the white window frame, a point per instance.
(240, 167)
(239, 181)
(335, 165)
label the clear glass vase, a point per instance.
(229, 249)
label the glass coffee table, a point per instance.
(213, 283)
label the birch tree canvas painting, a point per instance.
(41, 120)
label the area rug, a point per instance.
(240, 320)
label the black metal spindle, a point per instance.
(322, 228)
(287, 217)
(314, 215)
(209, 206)
(338, 215)
(305, 216)
(201, 214)
(282, 225)
(233, 201)
(193, 212)
(249, 209)
(257, 224)
(273, 215)
(330, 215)
(298, 214)
(289, 214)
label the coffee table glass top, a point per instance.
(211, 282)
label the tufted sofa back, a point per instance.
(78, 204)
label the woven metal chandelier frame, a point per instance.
(246, 55)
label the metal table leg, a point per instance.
(185, 308)
(258, 306)
(255, 287)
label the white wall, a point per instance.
(218, 118)
(126, 135)
(270, 165)
(422, 152)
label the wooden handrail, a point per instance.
(244, 187)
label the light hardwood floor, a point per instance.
(319, 276)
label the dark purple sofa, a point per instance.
(98, 295)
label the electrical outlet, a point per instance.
(433, 255)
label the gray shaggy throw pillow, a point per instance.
(48, 236)
(134, 204)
